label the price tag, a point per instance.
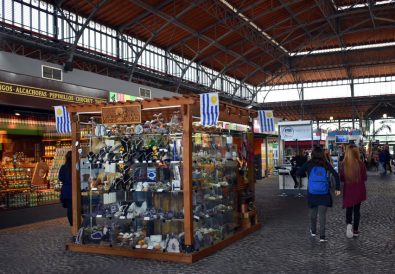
(150, 247)
(94, 188)
(160, 190)
(121, 162)
(207, 216)
(196, 217)
(138, 246)
(99, 216)
(122, 217)
(97, 162)
(146, 218)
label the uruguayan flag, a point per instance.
(266, 120)
(63, 123)
(209, 109)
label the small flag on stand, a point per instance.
(209, 109)
(266, 120)
(63, 122)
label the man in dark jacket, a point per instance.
(296, 162)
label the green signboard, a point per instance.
(120, 97)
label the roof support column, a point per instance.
(352, 102)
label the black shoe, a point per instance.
(295, 186)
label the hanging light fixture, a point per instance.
(331, 118)
(385, 115)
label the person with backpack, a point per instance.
(318, 193)
(353, 174)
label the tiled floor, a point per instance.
(282, 245)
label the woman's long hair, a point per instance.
(351, 164)
(318, 157)
(67, 159)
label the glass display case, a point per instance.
(158, 186)
(132, 190)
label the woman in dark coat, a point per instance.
(65, 192)
(319, 203)
(353, 174)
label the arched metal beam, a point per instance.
(80, 31)
(156, 32)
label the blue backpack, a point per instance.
(318, 181)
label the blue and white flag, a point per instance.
(63, 122)
(209, 109)
(266, 120)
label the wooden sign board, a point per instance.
(125, 114)
(40, 173)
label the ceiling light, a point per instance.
(250, 106)
(331, 118)
(17, 114)
(385, 115)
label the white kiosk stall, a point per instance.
(292, 131)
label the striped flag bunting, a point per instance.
(209, 109)
(63, 122)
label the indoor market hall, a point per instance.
(206, 136)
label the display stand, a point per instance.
(283, 173)
(202, 202)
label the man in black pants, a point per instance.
(296, 162)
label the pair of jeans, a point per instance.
(69, 206)
(321, 211)
(353, 210)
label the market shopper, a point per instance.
(319, 197)
(353, 174)
(296, 162)
(65, 192)
(382, 161)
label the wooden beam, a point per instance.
(148, 103)
(187, 173)
(75, 174)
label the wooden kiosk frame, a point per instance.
(189, 107)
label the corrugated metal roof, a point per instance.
(276, 29)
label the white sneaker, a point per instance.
(312, 234)
(349, 232)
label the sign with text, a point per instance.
(127, 114)
(296, 132)
(13, 89)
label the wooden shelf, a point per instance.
(159, 255)
(61, 140)
(47, 156)
(14, 190)
(48, 202)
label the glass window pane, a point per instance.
(327, 92)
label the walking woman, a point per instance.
(65, 192)
(319, 197)
(353, 174)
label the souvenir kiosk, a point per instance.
(158, 187)
(291, 134)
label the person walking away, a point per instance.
(387, 159)
(65, 192)
(382, 159)
(296, 162)
(319, 197)
(353, 174)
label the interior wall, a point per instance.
(32, 67)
